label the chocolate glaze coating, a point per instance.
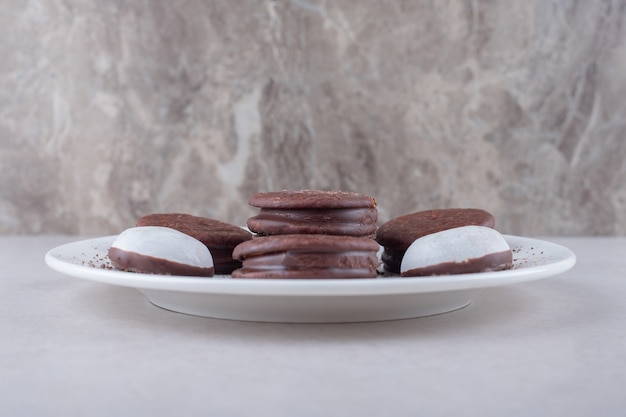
(301, 242)
(302, 199)
(135, 262)
(325, 273)
(492, 262)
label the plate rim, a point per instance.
(310, 287)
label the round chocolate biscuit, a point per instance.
(303, 199)
(460, 250)
(219, 237)
(314, 212)
(399, 233)
(305, 256)
(160, 250)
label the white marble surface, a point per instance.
(110, 110)
(552, 347)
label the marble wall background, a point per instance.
(110, 109)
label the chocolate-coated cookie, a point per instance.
(399, 233)
(218, 236)
(314, 212)
(160, 250)
(460, 250)
(307, 256)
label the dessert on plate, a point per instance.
(307, 256)
(460, 250)
(314, 212)
(314, 234)
(219, 237)
(160, 250)
(396, 235)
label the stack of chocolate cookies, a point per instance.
(310, 234)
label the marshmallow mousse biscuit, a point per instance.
(219, 237)
(160, 250)
(399, 233)
(314, 212)
(307, 256)
(460, 250)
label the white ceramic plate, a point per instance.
(311, 301)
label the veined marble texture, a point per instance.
(112, 109)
